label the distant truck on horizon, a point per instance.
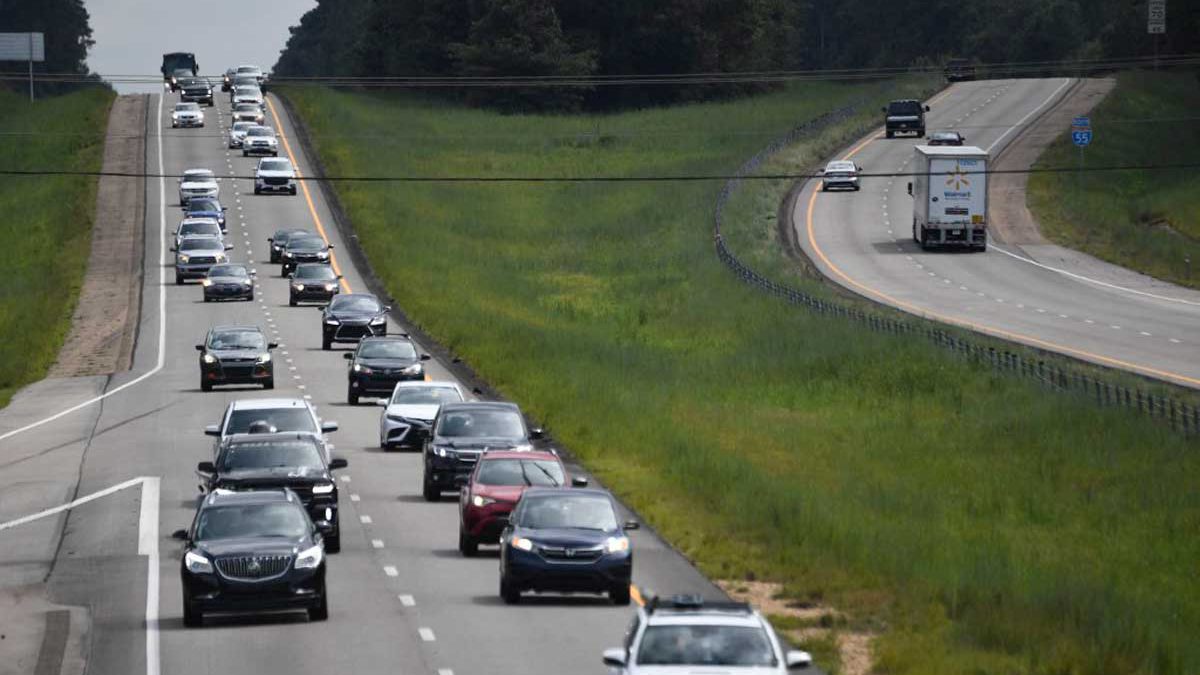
(949, 191)
(176, 65)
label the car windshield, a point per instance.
(203, 205)
(321, 272)
(247, 91)
(237, 339)
(252, 520)
(426, 395)
(276, 165)
(271, 455)
(350, 303)
(283, 419)
(307, 244)
(904, 108)
(199, 176)
(242, 126)
(535, 472)
(481, 424)
(246, 107)
(252, 70)
(260, 131)
(705, 645)
(387, 349)
(562, 511)
(187, 106)
(228, 271)
(209, 227)
(200, 244)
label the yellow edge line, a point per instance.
(636, 595)
(287, 147)
(919, 311)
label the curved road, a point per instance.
(402, 599)
(1077, 306)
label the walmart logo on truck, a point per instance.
(959, 177)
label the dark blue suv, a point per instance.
(566, 539)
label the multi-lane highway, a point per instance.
(402, 599)
(1061, 302)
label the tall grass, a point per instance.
(1145, 220)
(982, 525)
(46, 224)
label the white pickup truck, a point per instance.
(949, 190)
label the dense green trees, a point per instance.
(65, 23)
(637, 37)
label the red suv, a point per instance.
(495, 486)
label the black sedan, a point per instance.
(352, 317)
(280, 239)
(236, 355)
(252, 551)
(461, 432)
(379, 363)
(281, 460)
(566, 539)
(946, 138)
(205, 207)
(310, 249)
(312, 282)
(228, 282)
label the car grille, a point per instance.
(275, 181)
(348, 331)
(571, 555)
(202, 260)
(254, 567)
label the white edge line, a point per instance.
(162, 302)
(1031, 113)
(148, 546)
(70, 505)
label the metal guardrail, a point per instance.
(1179, 415)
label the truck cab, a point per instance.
(176, 66)
(904, 116)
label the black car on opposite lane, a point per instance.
(295, 461)
(236, 355)
(566, 540)
(379, 363)
(461, 432)
(352, 317)
(205, 207)
(312, 282)
(196, 90)
(231, 281)
(279, 240)
(310, 249)
(252, 551)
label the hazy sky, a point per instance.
(132, 35)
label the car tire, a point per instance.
(321, 611)
(888, 134)
(467, 545)
(192, 617)
(291, 301)
(257, 190)
(430, 492)
(333, 543)
(326, 343)
(620, 595)
(205, 385)
(293, 191)
(178, 279)
(206, 298)
(509, 593)
(351, 397)
(921, 132)
(251, 296)
(269, 383)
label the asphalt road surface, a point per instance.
(402, 600)
(1076, 306)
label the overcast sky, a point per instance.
(132, 35)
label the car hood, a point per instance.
(414, 411)
(266, 173)
(219, 548)
(497, 443)
(240, 133)
(285, 476)
(503, 493)
(187, 113)
(229, 280)
(208, 185)
(236, 353)
(267, 139)
(699, 670)
(202, 251)
(566, 537)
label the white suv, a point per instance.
(271, 415)
(684, 633)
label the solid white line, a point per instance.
(70, 505)
(408, 601)
(426, 634)
(148, 546)
(162, 302)
(1031, 113)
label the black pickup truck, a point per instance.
(904, 116)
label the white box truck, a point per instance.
(949, 190)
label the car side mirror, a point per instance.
(579, 481)
(327, 427)
(926, 108)
(224, 208)
(339, 277)
(181, 535)
(797, 659)
(212, 430)
(253, 272)
(910, 188)
(387, 308)
(821, 171)
(199, 348)
(330, 246)
(537, 433)
(883, 109)
(348, 356)
(338, 463)
(383, 402)
(425, 357)
(228, 247)
(206, 467)
(272, 345)
(632, 525)
(271, 239)
(614, 658)
(173, 249)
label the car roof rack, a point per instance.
(695, 603)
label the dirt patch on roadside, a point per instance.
(104, 325)
(1012, 222)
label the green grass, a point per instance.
(47, 224)
(1144, 220)
(978, 523)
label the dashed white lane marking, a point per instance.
(1063, 316)
(1174, 341)
(426, 634)
(1040, 310)
(376, 543)
(365, 520)
(408, 600)
(1115, 327)
(285, 354)
(1144, 333)
(445, 671)
(295, 377)
(1088, 321)
(300, 386)
(355, 498)
(391, 571)
(307, 397)
(344, 479)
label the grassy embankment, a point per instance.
(46, 225)
(1144, 220)
(977, 523)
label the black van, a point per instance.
(905, 116)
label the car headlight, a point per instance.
(359, 368)
(322, 489)
(265, 358)
(322, 254)
(616, 544)
(285, 253)
(330, 287)
(331, 322)
(310, 558)
(206, 282)
(398, 418)
(445, 452)
(521, 543)
(378, 320)
(184, 258)
(247, 282)
(220, 257)
(298, 287)
(480, 500)
(413, 369)
(196, 563)
(209, 358)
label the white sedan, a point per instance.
(840, 174)
(198, 183)
(187, 115)
(409, 412)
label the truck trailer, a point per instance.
(949, 190)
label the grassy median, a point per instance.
(1144, 220)
(46, 225)
(976, 523)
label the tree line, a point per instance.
(68, 33)
(504, 38)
